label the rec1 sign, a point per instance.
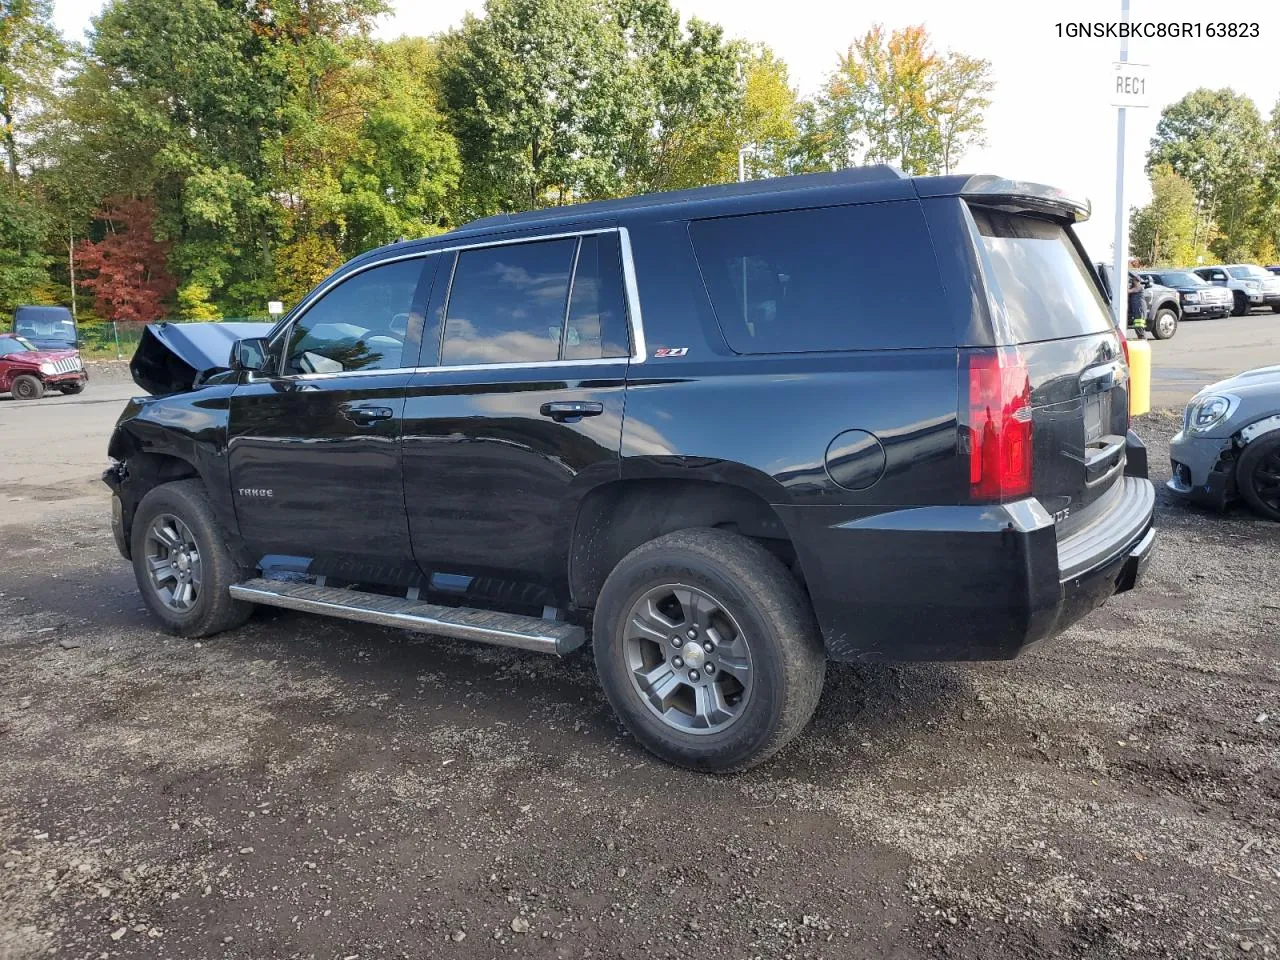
(1129, 85)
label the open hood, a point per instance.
(173, 357)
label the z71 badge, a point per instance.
(670, 352)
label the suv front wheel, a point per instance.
(1165, 324)
(708, 650)
(182, 564)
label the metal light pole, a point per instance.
(1120, 267)
(742, 162)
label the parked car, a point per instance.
(26, 371)
(49, 328)
(1274, 268)
(1198, 299)
(1229, 445)
(1250, 285)
(735, 431)
(1162, 305)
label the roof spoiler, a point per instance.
(1020, 196)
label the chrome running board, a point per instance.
(465, 623)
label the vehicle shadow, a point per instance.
(427, 686)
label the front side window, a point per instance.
(10, 345)
(507, 303)
(1249, 272)
(360, 324)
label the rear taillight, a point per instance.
(1124, 347)
(999, 426)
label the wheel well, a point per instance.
(149, 470)
(616, 518)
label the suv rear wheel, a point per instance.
(708, 650)
(182, 564)
(27, 387)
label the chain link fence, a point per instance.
(118, 339)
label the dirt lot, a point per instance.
(307, 788)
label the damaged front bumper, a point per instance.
(114, 477)
(1202, 470)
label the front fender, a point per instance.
(158, 439)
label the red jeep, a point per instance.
(26, 372)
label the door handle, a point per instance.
(365, 416)
(567, 411)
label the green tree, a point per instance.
(399, 179)
(1168, 231)
(535, 91)
(685, 98)
(959, 95)
(893, 99)
(31, 53)
(24, 226)
(1215, 139)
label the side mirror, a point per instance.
(253, 354)
(1146, 281)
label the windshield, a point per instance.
(1180, 278)
(10, 345)
(1248, 271)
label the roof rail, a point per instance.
(803, 181)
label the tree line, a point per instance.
(198, 158)
(1214, 165)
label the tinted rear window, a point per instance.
(839, 278)
(1047, 290)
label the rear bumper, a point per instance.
(965, 582)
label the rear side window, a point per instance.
(507, 303)
(597, 325)
(1047, 290)
(839, 278)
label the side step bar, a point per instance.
(485, 626)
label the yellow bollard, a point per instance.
(1139, 377)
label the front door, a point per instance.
(314, 448)
(521, 417)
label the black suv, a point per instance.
(732, 431)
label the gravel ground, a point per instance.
(310, 788)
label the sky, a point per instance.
(1050, 118)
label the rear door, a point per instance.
(516, 412)
(1050, 308)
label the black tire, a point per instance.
(1165, 325)
(74, 389)
(787, 658)
(1275, 308)
(1258, 476)
(1240, 304)
(212, 610)
(26, 387)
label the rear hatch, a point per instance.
(1055, 327)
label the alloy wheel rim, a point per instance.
(688, 660)
(1166, 325)
(1266, 480)
(173, 562)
